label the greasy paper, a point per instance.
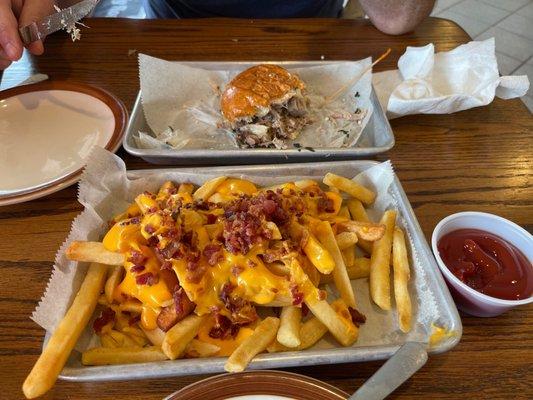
(105, 190)
(181, 104)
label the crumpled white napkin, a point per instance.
(445, 82)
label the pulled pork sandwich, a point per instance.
(263, 104)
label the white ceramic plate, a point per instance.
(47, 131)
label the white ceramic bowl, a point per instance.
(466, 298)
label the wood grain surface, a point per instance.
(480, 159)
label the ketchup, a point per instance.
(487, 263)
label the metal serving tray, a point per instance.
(448, 315)
(377, 135)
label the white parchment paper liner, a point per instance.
(105, 190)
(182, 105)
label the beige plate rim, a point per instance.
(114, 103)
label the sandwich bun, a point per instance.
(253, 91)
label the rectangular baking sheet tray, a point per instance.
(377, 137)
(448, 315)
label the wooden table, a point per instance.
(478, 159)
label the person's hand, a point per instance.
(15, 14)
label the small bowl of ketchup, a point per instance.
(486, 260)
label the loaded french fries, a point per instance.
(229, 270)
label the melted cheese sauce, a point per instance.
(254, 282)
(251, 279)
(126, 237)
(227, 346)
(439, 334)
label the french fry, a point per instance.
(278, 268)
(134, 331)
(311, 331)
(122, 340)
(178, 337)
(358, 213)
(345, 333)
(289, 326)
(156, 336)
(346, 240)
(319, 256)
(208, 188)
(400, 265)
(122, 355)
(113, 281)
(310, 270)
(364, 230)
(257, 342)
(186, 188)
(348, 186)
(47, 368)
(340, 275)
(94, 252)
(276, 234)
(108, 341)
(301, 184)
(217, 198)
(305, 183)
(380, 264)
(131, 305)
(199, 349)
(359, 269)
(348, 256)
(315, 252)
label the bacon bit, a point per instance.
(213, 253)
(297, 296)
(146, 279)
(305, 310)
(105, 318)
(135, 220)
(152, 241)
(236, 270)
(137, 258)
(152, 210)
(242, 311)
(270, 255)
(183, 305)
(172, 233)
(171, 315)
(225, 292)
(172, 250)
(357, 317)
(202, 205)
(325, 204)
(134, 320)
(137, 268)
(166, 265)
(322, 294)
(251, 263)
(148, 228)
(211, 218)
(187, 238)
(195, 270)
(223, 328)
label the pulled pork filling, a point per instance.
(284, 121)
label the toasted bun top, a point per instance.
(255, 89)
